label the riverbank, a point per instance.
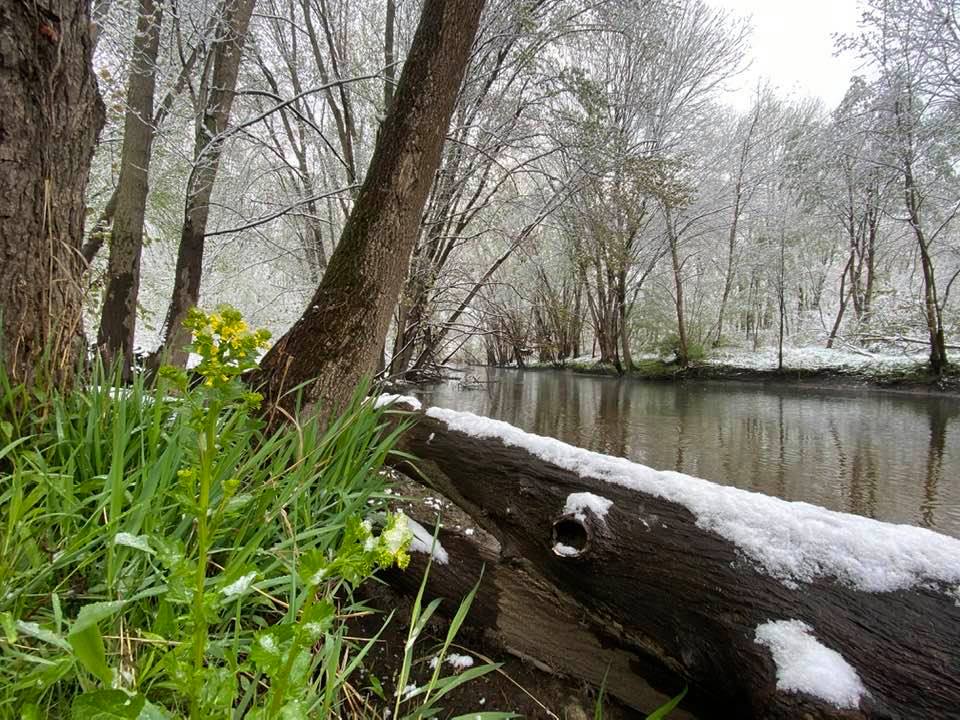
(810, 367)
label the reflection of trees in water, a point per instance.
(871, 455)
(863, 481)
(939, 416)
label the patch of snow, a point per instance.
(791, 541)
(804, 665)
(469, 531)
(423, 540)
(565, 550)
(409, 691)
(238, 587)
(385, 399)
(580, 501)
(459, 662)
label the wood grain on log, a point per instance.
(662, 599)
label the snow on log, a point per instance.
(767, 608)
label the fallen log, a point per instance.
(766, 608)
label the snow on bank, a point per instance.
(791, 541)
(385, 399)
(804, 665)
(817, 358)
(578, 502)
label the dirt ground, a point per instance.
(517, 687)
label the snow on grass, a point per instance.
(791, 541)
(580, 501)
(804, 665)
(423, 542)
(386, 399)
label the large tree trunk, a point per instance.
(676, 579)
(336, 341)
(50, 116)
(118, 318)
(208, 147)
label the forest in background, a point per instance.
(596, 194)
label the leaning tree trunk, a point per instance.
(336, 341)
(594, 562)
(118, 317)
(208, 148)
(50, 115)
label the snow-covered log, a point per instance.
(766, 608)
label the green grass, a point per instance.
(162, 554)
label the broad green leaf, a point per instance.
(86, 640)
(137, 542)
(107, 705)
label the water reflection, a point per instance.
(892, 457)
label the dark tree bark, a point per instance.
(663, 597)
(118, 318)
(208, 146)
(50, 116)
(336, 341)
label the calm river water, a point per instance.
(887, 456)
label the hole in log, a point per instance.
(571, 537)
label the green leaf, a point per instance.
(377, 687)
(107, 705)
(31, 629)
(152, 712)
(87, 642)
(137, 542)
(93, 613)
(9, 627)
(665, 709)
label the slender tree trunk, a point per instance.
(938, 349)
(50, 115)
(207, 150)
(782, 304)
(389, 70)
(843, 302)
(683, 353)
(335, 342)
(118, 318)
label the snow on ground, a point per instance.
(391, 399)
(578, 502)
(423, 542)
(454, 660)
(804, 665)
(791, 541)
(817, 358)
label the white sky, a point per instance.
(792, 47)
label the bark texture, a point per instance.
(50, 116)
(337, 340)
(118, 317)
(218, 92)
(675, 599)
